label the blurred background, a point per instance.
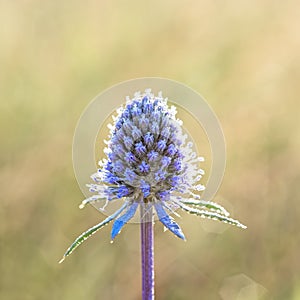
(242, 56)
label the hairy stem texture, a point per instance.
(147, 250)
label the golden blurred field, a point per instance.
(242, 56)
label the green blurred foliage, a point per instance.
(243, 56)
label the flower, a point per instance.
(150, 162)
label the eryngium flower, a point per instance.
(149, 161)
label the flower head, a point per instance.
(149, 161)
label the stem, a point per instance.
(147, 248)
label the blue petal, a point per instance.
(140, 148)
(144, 167)
(172, 149)
(130, 158)
(165, 161)
(161, 145)
(145, 188)
(168, 221)
(128, 142)
(121, 221)
(149, 139)
(152, 155)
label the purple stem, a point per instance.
(147, 248)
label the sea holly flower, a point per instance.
(149, 163)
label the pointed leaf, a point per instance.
(211, 215)
(91, 231)
(207, 204)
(168, 221)
(121, 221)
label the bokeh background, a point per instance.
(242, 56)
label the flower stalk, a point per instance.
(147, 252)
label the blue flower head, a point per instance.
(149, 161)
